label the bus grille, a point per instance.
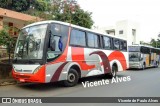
(29, 71)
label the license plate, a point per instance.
(22, 80)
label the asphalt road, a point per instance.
(142, 83)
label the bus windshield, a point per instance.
(30, 42)
(134, 56)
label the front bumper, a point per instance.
(38, 77)
(135, 65)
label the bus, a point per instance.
(50, 51)
(141, 56)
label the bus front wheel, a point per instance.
(72, 78)
(113, 72)
(143, 66)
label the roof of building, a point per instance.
(17, 15)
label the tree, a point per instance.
(7, 40)
(40, 5)
(16, 5)
(24, 5)
(39, 8)
(155, 43)
(61, 10)
(70, 11)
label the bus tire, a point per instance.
(143, 66)
(157, 64)
(72, 78)
(113, 72)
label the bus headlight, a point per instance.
(37, 69)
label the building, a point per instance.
(124, 29)
(14, 20)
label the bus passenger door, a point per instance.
(150, 59)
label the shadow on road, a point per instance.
(59, 85)
(135, 69)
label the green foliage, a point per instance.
(40, 5)
(39, 8)
(4, 37)
(24, 5)
(5, 4)
(155, 43)
(21, 5)
(69, 11)
(7, 40)
(61, 10)
(16, 5)
(82, 18)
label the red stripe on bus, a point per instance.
(78, 56)
(117, 55)
(105, 61)
(57, 73)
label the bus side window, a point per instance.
(57, 41)
(116, 44)
(77, 38)
(107, 42)
(93, 40)
(123, 45)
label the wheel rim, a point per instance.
(71, 77)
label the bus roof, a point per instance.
(144, 46)
(74, 26)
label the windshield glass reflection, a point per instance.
(30, 42)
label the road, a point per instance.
(142, 83)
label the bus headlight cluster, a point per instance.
(37, 69)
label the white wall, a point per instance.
(127, 27)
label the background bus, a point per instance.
(141, 56)
(52, 51)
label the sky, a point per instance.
(108, 12)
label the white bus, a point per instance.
(51, 51)
(141, 56)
